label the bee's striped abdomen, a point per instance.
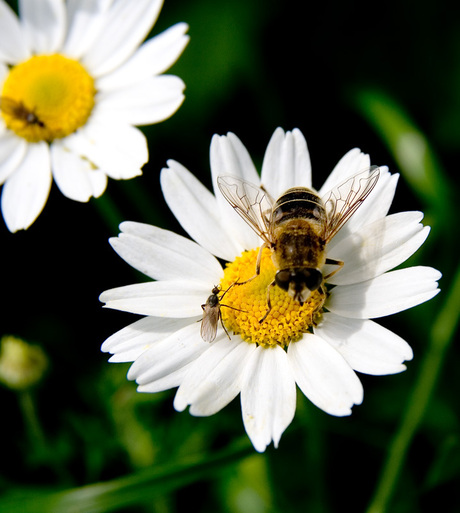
(298, 203)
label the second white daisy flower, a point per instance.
(74, 81)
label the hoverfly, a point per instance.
(212, 314)
(297, 227)
(19, 111)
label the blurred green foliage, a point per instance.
(383, 78)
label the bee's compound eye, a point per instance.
(283, 278)
(313, 278)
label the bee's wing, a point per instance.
(252, 203)
(345, 199)
(209, 323)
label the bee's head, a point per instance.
(299, 282)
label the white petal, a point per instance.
(164, 255)
(351, 163)
(268, 396)
(324, 376)
(4, 72)
(118, 149)
(125, 25)
(13, 46)
(229, 157)
(286, 162)
(366, 346)
(387, 294)
(75, 176)
(167, 381)
(12, 151)
(378, 247)
(215, 378)
(84, 19)
(130, 342)
(25, 192)
(154, 57)
(152, 100)
(166, 359)
(159, 298)
(195, 207)
(44, 24)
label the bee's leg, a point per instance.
(269, 303)
(322, 290)
(324, 294)
(259, 259)
(333, 261)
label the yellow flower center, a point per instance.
(287, 319)
(47, 97)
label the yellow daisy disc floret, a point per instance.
(287, 319)
(47, 97)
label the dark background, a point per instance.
(250, 67)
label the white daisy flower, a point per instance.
(74, 80)
(316, 346)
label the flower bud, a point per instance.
(22, 365)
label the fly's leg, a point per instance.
(228, 306)
(232, 285)
(199, 320)
(225, 329)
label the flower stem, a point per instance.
(29, 413)
(109, 212)
(441, 335)
(145, 205)
(37, 439)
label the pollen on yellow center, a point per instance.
(47, 97)
(287, 320)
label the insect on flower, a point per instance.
(297, 227)
(212, 314)
(19, 111)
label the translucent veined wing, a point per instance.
(211, 316)
(10, 106)
(251, 202)
(345, 199)
(18, 111)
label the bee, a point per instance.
(297, 227)
(212, 314)
(18, 110)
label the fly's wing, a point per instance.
(9, 106)
(345, 199)
(209, 323)
(18, 110)
(252, 203)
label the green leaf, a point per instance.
(409, 147)
(126, 491)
